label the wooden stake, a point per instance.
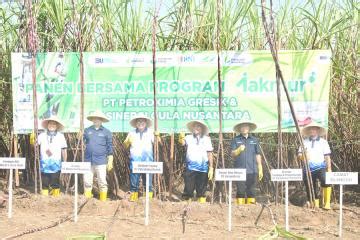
(16, 154)
(171, 162)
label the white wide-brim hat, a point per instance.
(98, 114)
(134, 119)
(305, 131)
(45, 122)
(190, 125)
(238, 126)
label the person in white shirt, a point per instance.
(199, 160)
(52, 151)
(317, 152)
(140, 141)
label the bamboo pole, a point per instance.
(16, 154)
(279, 73)
(32, 44)
(156, 142)
(218, 51)
(171, 163)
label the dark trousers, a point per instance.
(195, 180)
(316, 175)
(50, 180)
(246, 189)
(134, 182)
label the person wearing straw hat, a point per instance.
(317, 153)
(140, 141)
(246, 153)
(199, 160)
(98, 151)
(52, 151)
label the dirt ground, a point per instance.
(203, 221)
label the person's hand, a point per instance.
(239, 150)
(32, 138)
(109, 165)
(128, 141)
(182, 138)
(302, 156)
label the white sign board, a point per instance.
(147, 167)
(342, 178)
(230, 174)
(12, 163)
(286, 175)
(75, 167)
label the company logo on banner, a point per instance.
(121, 85)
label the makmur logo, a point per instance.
(262, 85)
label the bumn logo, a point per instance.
(187, 59)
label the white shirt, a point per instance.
(51, 163)
(142, 146)
(55, 145)
(317, 149)
(197, 152)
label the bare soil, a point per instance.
(202, 221)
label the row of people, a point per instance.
(245, 151)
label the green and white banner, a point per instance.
(121, 85)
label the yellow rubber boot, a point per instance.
(88, 193)
(103, 196)
(134, 196)
(55, 192)
(202, 200)
(317, 203)
(151, 194)
(250, 201)
(327, 197)
(45, 192)
(240, 201)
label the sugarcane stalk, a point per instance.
(279, 73)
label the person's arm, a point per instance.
(110, 158)
(85, 137)
(258, 161)
(260, 168)
(210, 158)
(327, 153)
(328, 163)
(211, 166)
(109, 144)
(63, 148)
(64, 154)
